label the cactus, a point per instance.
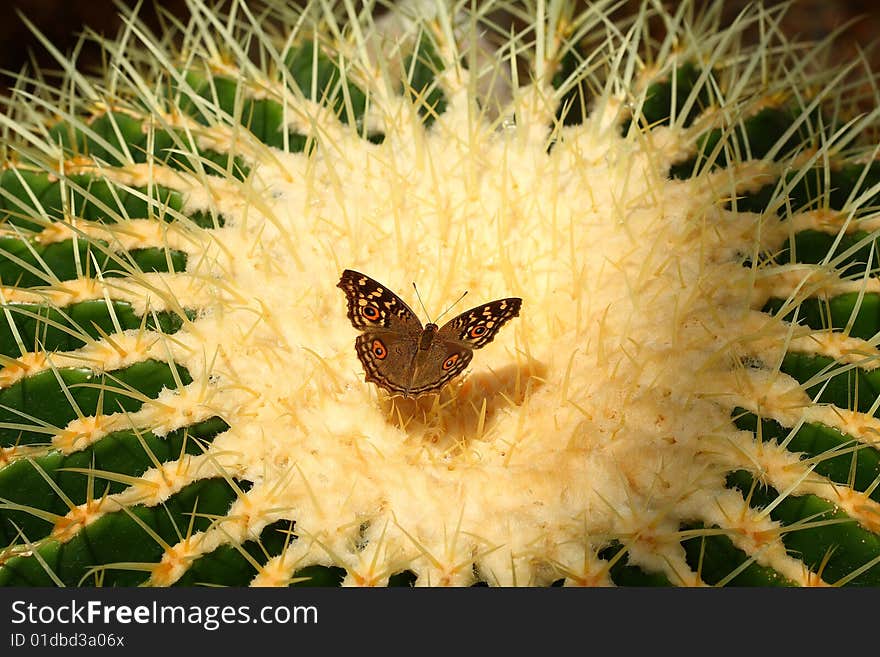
(689, 396)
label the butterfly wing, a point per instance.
(478, 326)
(386, 359)
(372, 305)
(443, 361)
(450, 351)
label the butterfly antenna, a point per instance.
(454, 304)
(425, 310)
(419, 297)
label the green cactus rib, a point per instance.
(855, 389)
(116, 138)
(237, 565)
(712, 555)
(753, 139)
(835, 455)
(623, 573)
(851, 254)
(133, 535)
(423, 66)
(40, 326)
(835, 189)
(830, 542)
(44, 397)
(716, 558)
(665, 98)
(835, 313)
(28, 483)
(264, 117)
(26, 263)
(27, 194)
(311, 68)
(314, 73)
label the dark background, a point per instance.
(63, 20)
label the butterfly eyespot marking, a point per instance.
(450, 362)
(379, 350)
(370, 312)
(477, 331)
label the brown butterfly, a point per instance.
(398, 354)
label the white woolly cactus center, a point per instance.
(513, 467)
(674, 404)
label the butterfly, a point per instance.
(400, 355)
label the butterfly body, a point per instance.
(400, 355)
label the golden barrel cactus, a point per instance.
(688, 396)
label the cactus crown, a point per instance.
(688, 397)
